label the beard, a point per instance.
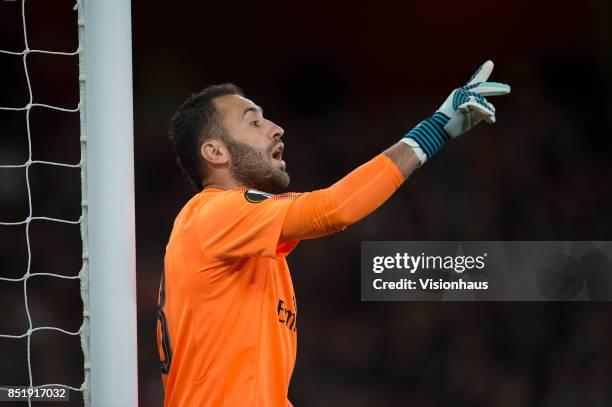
(253, 169)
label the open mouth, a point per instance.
(277, 153)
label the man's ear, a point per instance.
(214, 152)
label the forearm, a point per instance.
(404, 158)
(329, 210)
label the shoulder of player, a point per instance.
(253, 196)
(248, 196)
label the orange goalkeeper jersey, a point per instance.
(227, 313)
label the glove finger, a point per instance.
(482, 116)
(461, 96)
(480, 99)
(489, 88)
(482, 74)
(481, 112)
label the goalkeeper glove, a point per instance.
(464, 108)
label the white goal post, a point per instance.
(107, 125)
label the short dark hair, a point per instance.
(196, 121)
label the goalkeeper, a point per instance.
(227, 314)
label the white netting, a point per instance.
(82, 275)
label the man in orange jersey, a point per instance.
(227, 312)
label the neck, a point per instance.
(222, 184)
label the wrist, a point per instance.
(429, 135)
(416, 148)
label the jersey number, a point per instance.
(166, 357)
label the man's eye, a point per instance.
(255, 123)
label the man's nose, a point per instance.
(277, 131)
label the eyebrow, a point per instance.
(256, 109)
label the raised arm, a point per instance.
(329, 210)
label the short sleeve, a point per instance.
(232, 224)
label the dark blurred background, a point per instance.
(345, 80)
